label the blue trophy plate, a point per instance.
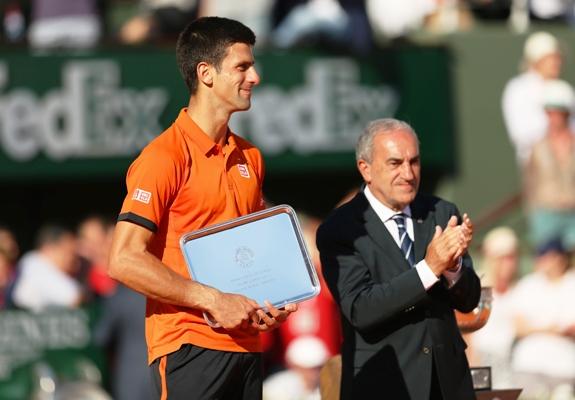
(261, 256)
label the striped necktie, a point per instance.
(405, 242)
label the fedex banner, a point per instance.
(62, 115)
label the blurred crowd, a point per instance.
(529, 339)
(353, 25)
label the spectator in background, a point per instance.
(121, 332)
(9, 244)
(45, 275)
(550, 173)
(253, 13)
(300, 381)
(338, 24)
(94, 240)
(13, 14)
(9, 253)
(310, 22)
(522, 105)
(6, 276)
(158, 20)
(394, 19)
(64, 24)
(552, 10)
(491, 345)
(359, 30)
(543, 358)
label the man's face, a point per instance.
(68, 255)
(549, 66)
(236, 77)
(552, 263)
(557, 119)
(91, 239)
(394, 172)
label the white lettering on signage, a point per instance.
(25, 336)
(325, 114)
(89, 116)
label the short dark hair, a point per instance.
(207, 39)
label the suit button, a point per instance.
(426, 350)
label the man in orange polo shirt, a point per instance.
(195, 174)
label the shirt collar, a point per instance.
(383, 212)
(194, 132)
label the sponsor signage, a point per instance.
(90, 115)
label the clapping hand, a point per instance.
(449, 244)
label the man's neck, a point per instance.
(384, 210)
(212, 121)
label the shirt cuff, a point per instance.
(452, 276)
(428, 278)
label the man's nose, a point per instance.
(253, 76)
(407, 171)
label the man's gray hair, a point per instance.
(364, 147)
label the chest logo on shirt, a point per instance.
(142, 196)
(244, 171)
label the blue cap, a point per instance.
(555, 244)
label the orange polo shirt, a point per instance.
(183, 181)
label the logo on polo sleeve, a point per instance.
(142, 196)
(244, 171)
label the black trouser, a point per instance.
(193, 372)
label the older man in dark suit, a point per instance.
(396, 262)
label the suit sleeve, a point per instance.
(366, 304)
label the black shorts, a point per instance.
(193, 372)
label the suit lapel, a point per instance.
(423, 228)
(378, 233)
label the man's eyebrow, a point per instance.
(399, 159)
(245, 63)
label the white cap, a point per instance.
(307, 352)
(539, 45)
(499, 242)
(558, 94)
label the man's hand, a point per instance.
(467, 230)
(273, 318)
(448, 245)
(233, 311)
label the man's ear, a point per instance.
(205, 73)
(365, 170)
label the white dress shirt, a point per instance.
(523, 112)
(41, 284)
(385, 214)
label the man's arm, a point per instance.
(132, 264)
(366, 303)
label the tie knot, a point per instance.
(399, 219)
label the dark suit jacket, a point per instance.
(393, 329)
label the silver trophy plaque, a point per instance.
(261, 256)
